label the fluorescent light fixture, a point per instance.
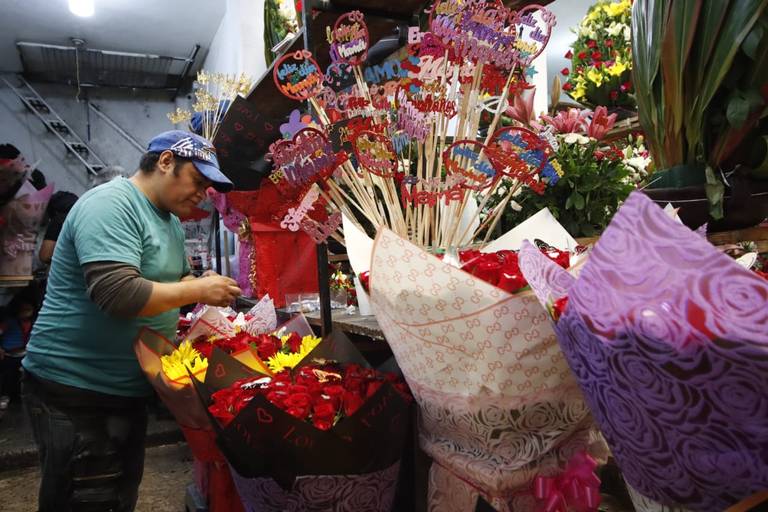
(82, 8)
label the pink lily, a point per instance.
(601, 123)
(572, 121)
(522, 107)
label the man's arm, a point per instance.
(119, 290)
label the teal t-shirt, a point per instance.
(73, 342)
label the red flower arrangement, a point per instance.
(501, 268)
(318, 394)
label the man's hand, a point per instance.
(218, 290)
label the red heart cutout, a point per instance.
(263, 416)
(220, 372)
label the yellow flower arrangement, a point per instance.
(185, 357)
(281, 360)
(601, 57)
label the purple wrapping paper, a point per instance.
(371, 492)
(668, 339)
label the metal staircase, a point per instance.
(57, 126)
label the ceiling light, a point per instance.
(83, 8)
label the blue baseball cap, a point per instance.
(196, 148)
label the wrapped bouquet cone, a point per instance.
(282, 462)
(501, 416)
(668, 338)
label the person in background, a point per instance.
(119, 266)
(58, 207)
(15, 327)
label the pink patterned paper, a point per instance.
(498, 404)
(668, 338)
(18, 238)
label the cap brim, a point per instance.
(219, 182)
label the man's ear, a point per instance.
(166, 162)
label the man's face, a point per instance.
(183, 187)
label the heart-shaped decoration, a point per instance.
(263, 416)
(349, 39)
(306, 158)
(533, 25)
(470, 160)
(298, 76)
(220, 372)
(375, 153)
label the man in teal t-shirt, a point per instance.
(119, 265)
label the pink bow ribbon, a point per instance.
(577, 488)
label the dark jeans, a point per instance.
(10, 376)
(91, 454)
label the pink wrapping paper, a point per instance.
(498, 403)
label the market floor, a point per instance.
(167, 472)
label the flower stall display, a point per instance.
(668, 339)
(601, 57)
(324, 435)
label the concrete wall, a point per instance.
(140, 113)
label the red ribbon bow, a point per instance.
(577, 488)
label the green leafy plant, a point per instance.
(700, 69)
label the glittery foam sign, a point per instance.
(349, 39)
(298, 76)
(522, 155)
(477, 31)
(375, 153)
(307, 158)
(533, 24)
(470, 159)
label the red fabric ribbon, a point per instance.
(577, 488)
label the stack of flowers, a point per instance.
(319, 394)
(325, 435)
(169, 369)
(500, 412)
(601, 57)
(671, 352)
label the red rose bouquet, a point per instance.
(325, 435)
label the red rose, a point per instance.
(598, 64)
(364, 277)
(352, 402)
(614, 95)
(582, 55)
(300, 400)
(298, 412)
(591, 43)
(626, 86)
(294, 342)
(597, 55)
(277, 398)
(559, 307)
(609, 43)
(569, 54)
(512, 282)
(335, 392)
(373, 387)
(565, 71)
(266, 348)
(567, 86)
(599, 155)
(323, 415)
